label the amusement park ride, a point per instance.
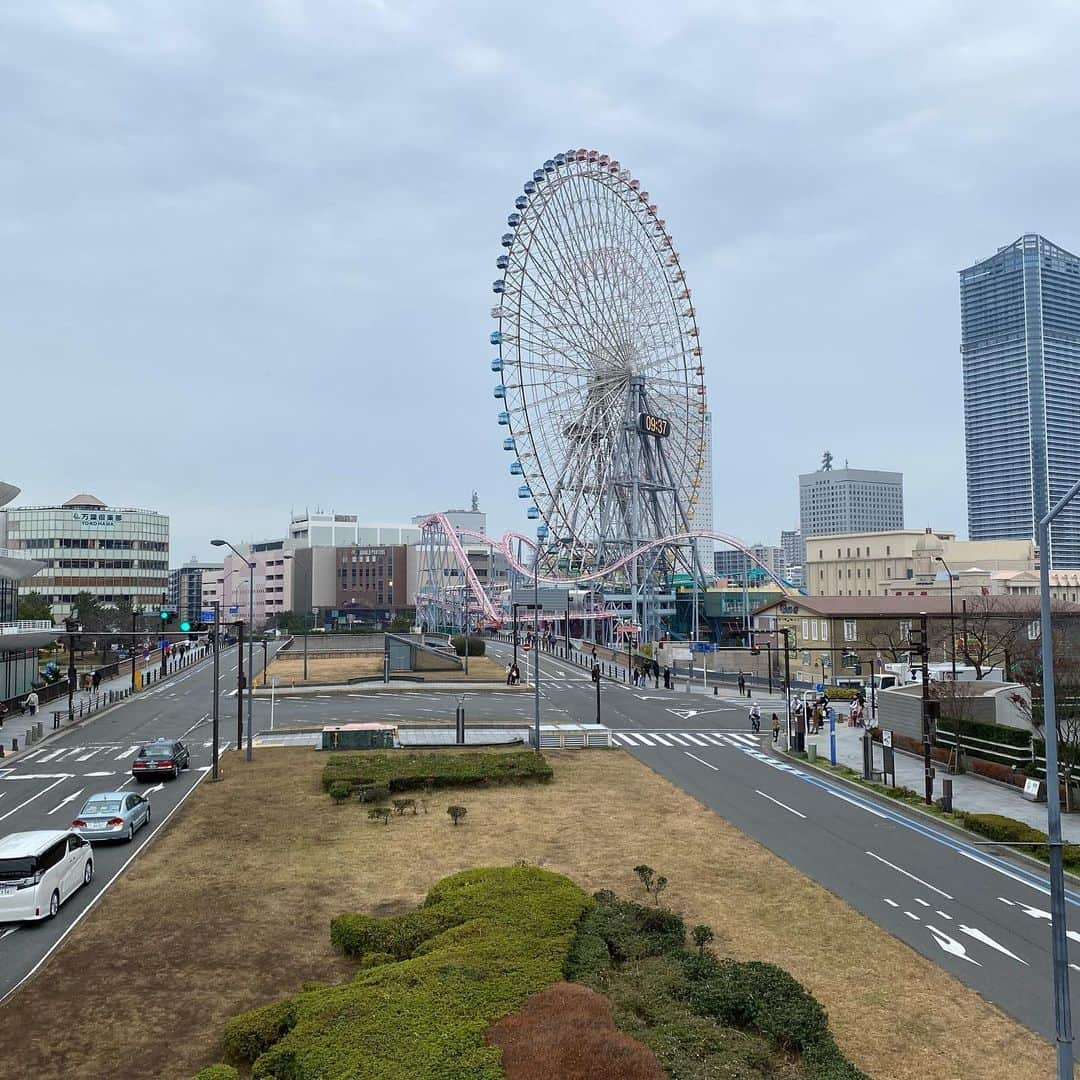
(603, 399)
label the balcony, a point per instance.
(27, 634)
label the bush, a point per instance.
(376, 959)
(370, 793)
(217, 1072)
(340, 790)
(1009, 831)
(480, 944)
(400, 771)
(457, 813)
(477, 645)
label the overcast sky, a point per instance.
(247, 247)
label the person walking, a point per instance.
(656, 673)
(816, 717)
(667, 678)
(755, 718)
(31, 702)
(775, 729)
(800, 731)
(742, 685)
(509, 671)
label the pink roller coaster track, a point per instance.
(506, 543)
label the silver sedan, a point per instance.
(112, 815)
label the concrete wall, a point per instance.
(900, 710)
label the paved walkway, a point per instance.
(972, 793)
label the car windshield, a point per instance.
(156, 752)
(102, 806)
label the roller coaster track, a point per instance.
(506, 544)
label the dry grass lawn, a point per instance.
(330, 670)
(230, 908)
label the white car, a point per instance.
(40, 870)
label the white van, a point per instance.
(39, 870)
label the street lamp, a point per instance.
(952, 614)
(541, 534)
(251, 638)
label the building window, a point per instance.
(805, 629)
(888, 549)
(813, 629)
(905, 629)
(824, 629)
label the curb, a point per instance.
(898, 804)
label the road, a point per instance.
(46, 787)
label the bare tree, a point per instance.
(988, 628)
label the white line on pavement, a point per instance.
(1001, 870)
(707, 764)
(70, 798)
(696, 741)
(857, 805)
(53, 754)
(923, 902)
(912, 915)
(986, 939)
(127, 753)
(644, 738)
(60, 780)
(891, 903)
(789, 809)
(938, 911)
(89, 774)
(908, 874)
(660, 739)
(90, 754)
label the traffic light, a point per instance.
(167, 616)
(185, 627)
(916, 640)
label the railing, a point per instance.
(22, 625)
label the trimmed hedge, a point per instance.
(684, 1003)
(218, 1072)
(477, 645)
(1018, 737)
(479, 945)
(1007, 830)
(401, 771)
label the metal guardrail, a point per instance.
(22, 625)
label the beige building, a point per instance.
(908, 562)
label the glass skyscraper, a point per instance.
(1020, 343)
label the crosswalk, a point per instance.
(685, 739)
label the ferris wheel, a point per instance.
(599, 363)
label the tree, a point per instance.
(34, 606)
(457, 813)
(988, 628)
(653, 883)
(403, 622)
(379, 813)
(702, 936)
(401, 805)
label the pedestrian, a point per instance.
(755, 718)
(594, 651)
(742, 685)
(95, 679)
(816, 718)
(515, 675)
(667, 678)
(656, 673)
(800, 730)
(775, 729)
(31, 702)
(509, 672)
(3, 713)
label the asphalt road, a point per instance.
(46, 787)
(979, 914)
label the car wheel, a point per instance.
(176, 772)
(88, 873)
(54, 903)
(131, 833)
(146, 820)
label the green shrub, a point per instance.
(370, 793)
(339, 790)
(481, 942)
(477, 645)
(217, 1072)
(1009, 831)
(401, 771)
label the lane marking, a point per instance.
(51, 755)
(89, 774)
(908, 874)
(859, 805)
(1038, 913)
(681, 740)
(986, 939)
(643, 738)
(1001, 870)
(707, 764)
(912, 915)
(661, 740)
(696, 741)
(127, 753)
(64, 802)
(919, 900)
(789, 809)
(938, 911)
(88, 756)
(950, 945)
(33, 797)
(891, 903)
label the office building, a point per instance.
(849, 500)
(20, 639)
(731, 563)
(364, 584)
(273, 573)
(186, 588)
(343, 530)
(1020, 347)
(114, 553)
(793, 547)
(909, 562)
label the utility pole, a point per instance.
(536, 638)
(71, 624)
(928, 761)
(787, 680)
(215, 772)
(240, 686)
(134, 617)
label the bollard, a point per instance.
(40, 725)
(30, 733)
(459, 718)
(811, 751)
(946, 794)
(14, 746)
(715, 691)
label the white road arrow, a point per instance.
(156, 787)
(986, 939)
(683, 714)
(63, 802)
(1037, 913)
(89, 774)
(951, 945)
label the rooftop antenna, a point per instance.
(826, 462)
(475, 502)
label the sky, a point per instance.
(247, 247)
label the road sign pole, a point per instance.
(214, 770)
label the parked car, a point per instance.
(112, 815)
(39, 870)
(162, 757)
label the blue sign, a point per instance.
(820, 687)
(206, 616)
(234, 611)
(702, 646)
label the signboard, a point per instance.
(526, 647)
(654, 425)
(206, 616)
(702, 646)
(96, 519)
(234, 611)
(819, 687)
(886, 738)
(1034, 790)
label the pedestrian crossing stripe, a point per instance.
(700, 739)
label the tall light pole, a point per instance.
(251, 639)
(541, 534)
(952, 615)
(1058, 943)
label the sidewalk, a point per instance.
(974, 794)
